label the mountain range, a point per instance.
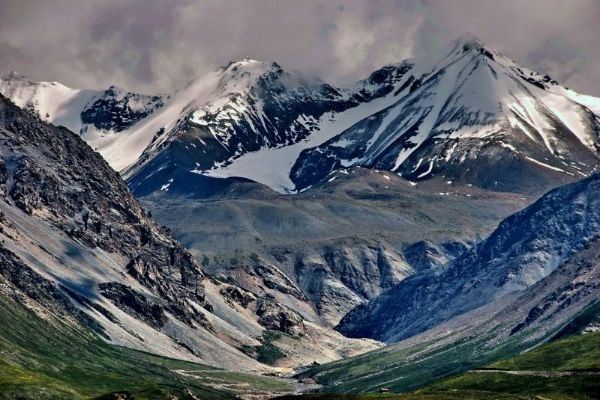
(436, 208)
(471, 114)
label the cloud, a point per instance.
(158, 45)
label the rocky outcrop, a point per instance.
(134, 303)
(51, 173)
(116, 110)
(274, 316)
(525, 248)
(237, 295)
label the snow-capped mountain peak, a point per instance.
(52, 101)
(476, 107)
(95, 114)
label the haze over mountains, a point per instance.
(300, 207)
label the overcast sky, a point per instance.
(158, 45)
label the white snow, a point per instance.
(509, 146)
(53, 101)
(272, 167)
(165, 187)
(545, 165)
(429, 169)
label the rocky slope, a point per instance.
(75, 239)
(505, 327)
(526, 248)
(336, 245)
(563, 301)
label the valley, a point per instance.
(431, 230)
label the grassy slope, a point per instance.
(572, 354)
(39, 359)
(406, 369)
(578, 353)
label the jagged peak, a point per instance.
(468, 42)
(251, 65)
(471, 44)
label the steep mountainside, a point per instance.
(74, 238)
(49, 356)
(526, 247)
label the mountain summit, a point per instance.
(472, 118)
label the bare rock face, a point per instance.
(275, 317)
(270, 314)
(117, 110)
(52, 174)
(134, 303)
(525, 248)
(238, 295)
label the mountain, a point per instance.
(94, 114)
(462, 336)
(525, 248)
(245, 107)
(74, 237)
(474, 116)
(241, 108)
(76, 244)
(353, 235)
(307, 205)
(509, 326)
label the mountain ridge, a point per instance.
(474, 112)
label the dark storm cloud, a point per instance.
(155, 45)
